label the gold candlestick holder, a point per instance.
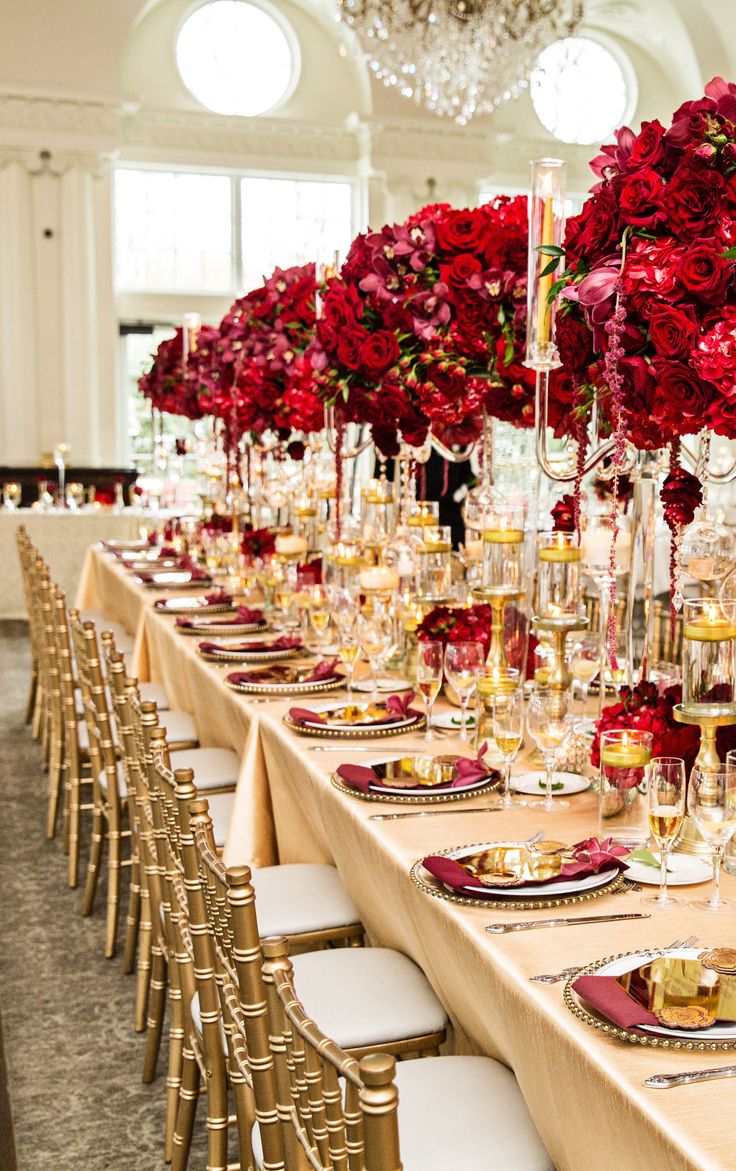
(709, 718)
(558, 626)
(498, 598)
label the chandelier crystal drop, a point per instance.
(458, 58)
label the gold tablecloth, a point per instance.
(585, 1091)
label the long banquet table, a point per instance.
(584, 1090)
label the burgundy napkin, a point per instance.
(285, 643)
(398, 705)
(242, 616)
(357, 776)
(323, 670)
(589, 861)
(469, 770)
(303, 715)
(605, 994)
(191, 566)
(397, 708)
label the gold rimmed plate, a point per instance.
(418, 779)
(203, 628)
(665, 981)
(503, 866)
(350, 720)
(285, 679)
(263, 654)
(190, 606)
(174, 579)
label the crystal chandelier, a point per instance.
(458, 57)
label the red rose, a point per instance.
(350, 347)
(640, 198)
(693, 198)
(595, 230)
(722, 417)
(458, 273)
(704, 272)
(652, 267)
(574, 342)
(673, 330)
(379, 352)
(681, 399)
(648, 147)
(462, 231)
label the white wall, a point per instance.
(95, 80)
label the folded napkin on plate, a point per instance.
(152, 576)
(607, 996)
(190, 566)
(359, 776)
(242, 617)
(397, 709)
(468, 770)
(324, 670)
(591, 857)
(285, 643)
(398, 706)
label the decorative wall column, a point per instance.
(19, 388)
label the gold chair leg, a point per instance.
(132, 921)
(186, 1113)
(74, 814)
(156, 1010)
(143, 963)
(113, 893)
(95, 856)
(217, 1115)
(245, 1116)
(31, 705)
(56, 773)
(173, 1075)
(38, 706)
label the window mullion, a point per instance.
(236, 235)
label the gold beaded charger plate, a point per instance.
(353, 720)
(189, 606)
(174, 580)
(695, 1004)
(285, 679)
(511, 867)
(417, 778)
(223, 629)
(252, 653)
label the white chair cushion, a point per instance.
(213, 768)
(301, 897)
(154, 693)
(456, 1111)
(179, 726)
(82, 734)
(459, 1112)
(122, 786)
(366, 995)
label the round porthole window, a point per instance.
(580, 91)
(235, 57)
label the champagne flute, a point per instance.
(508, 729)
(666, 807)
(345, 615)
(319, 613)
(711, 802)
(376, 636)
(464, 664)
(429, 678)
(549, 728)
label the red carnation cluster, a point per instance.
(178, 387)
(426, 325)
(645, 709)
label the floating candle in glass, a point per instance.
(559, 574)
(503, 549)
(624, 754)
(708, 654)
(435, 562)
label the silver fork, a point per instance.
(566, 973)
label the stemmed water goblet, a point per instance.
(711, 802)
(464, 664)
(585, 663)
(376, 638)
(430, 664)
(665, 778)
(346, 615)
(508, 731)
(549, 727)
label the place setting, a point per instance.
(392, 716)
(268, 649)
(244, 620)
(215, 602)
(417, 779)
(287, 679)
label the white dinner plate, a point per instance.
(683, 870)
(717, 1032)
(452, 721)
(330, 705)
(530, 783)
(542, 891)
(387, 686)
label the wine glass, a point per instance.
(666, 807)
(549, 728)
(430, 664)
(319, 613)
(283, 594)
(711, 802)
(585, 663)
(464, 664)
(508, 729)
(345, 615)
(11, 495)
(376, 636)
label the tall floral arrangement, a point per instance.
(180, 387)
(265, 382)
(425, 326)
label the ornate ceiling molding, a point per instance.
(26, 116)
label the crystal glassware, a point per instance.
(666, 786)
(508, 731)
(464, 664)
(711, 802)
(430, 662)
(376, 637)
(549, 727)
(11, 495)
(585, 663)
(319, 613)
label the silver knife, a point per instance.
(433, 812)
(663, 1081)
(527, 925)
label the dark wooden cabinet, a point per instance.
(29, 477)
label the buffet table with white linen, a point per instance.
(584, 1090)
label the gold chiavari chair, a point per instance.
(666, 641)
(344, 1113)
(53, 720)
(26, 552)
(376, 998)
